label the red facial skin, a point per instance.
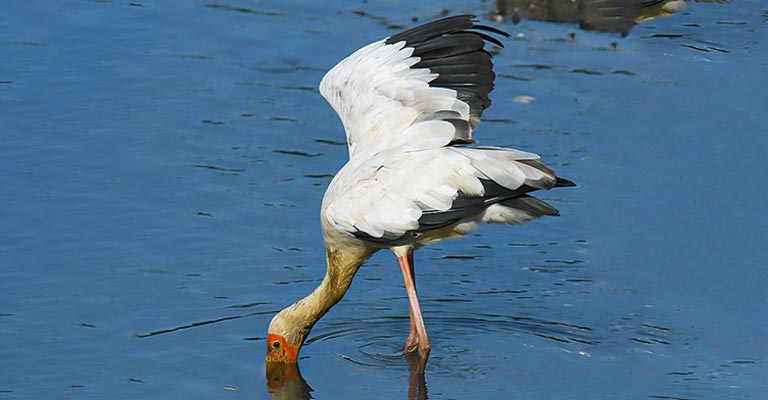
(279, 351)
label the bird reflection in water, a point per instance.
(601, 15)
(417, 384)
(284, 381)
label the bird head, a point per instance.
(284, 339)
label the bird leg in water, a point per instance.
(418, 338)
(413, 338)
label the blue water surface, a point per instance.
(162, 165)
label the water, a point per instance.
(163, 165)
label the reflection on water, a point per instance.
(601, 15)
(379, 348)
(284, 381)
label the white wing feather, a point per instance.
(398, 128)
(384, 196)
(383, 103)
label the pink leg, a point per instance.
(418, 337)
(413, 338)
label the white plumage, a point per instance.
(384, 103)
(388, 192)
(401, 164)
(409, 104)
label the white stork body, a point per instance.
(409, 104)
(384, 196)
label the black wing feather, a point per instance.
(465, 206)
(432, 29)
(453, 48)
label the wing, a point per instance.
(419, 89)
(395, 197)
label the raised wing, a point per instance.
(422, 88)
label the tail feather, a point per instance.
(531, 205)
(562, 182)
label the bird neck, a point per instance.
(342, 266)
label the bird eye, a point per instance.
(276, 345)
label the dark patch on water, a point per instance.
(244, 10)
(286, 119)
(584, 71)
(668, 35)
(297, 153)
(514, 77)
(319, 176)
(690, 46)
(217, 168)
(499, 120)
(534, 66)
(331, 142)
(247, 305)
(199, 324)
(460, 257)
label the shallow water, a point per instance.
(163, 166)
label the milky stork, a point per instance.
(409, 104)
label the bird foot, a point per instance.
(411, 345)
